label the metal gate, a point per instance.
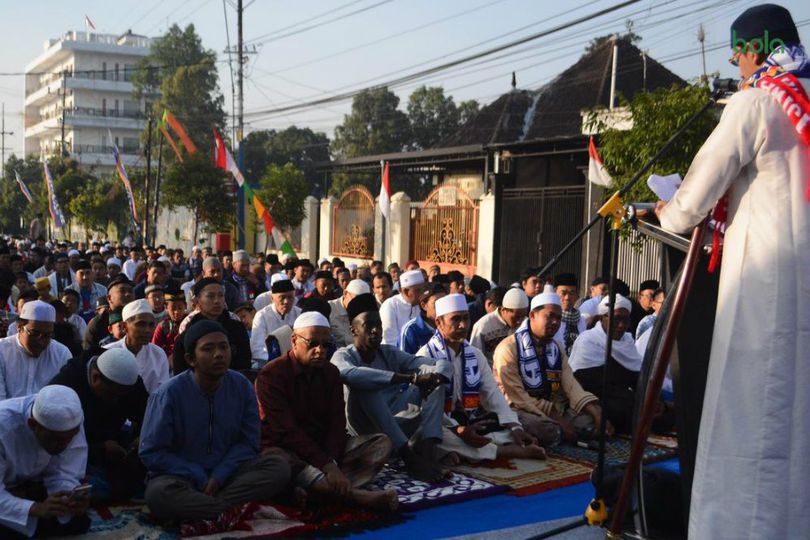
(444, 231)
(353, 224)
(535, 224)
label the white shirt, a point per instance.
(22, 458)
(589, 350)
(488, 332)
(589, 308)
(266, 321)
(492, 400)
(339, 321)
(129, 268)
(153, 364)
(79, 324)
(22, 374)
(186, 288)
(395, 312)
(263, 300)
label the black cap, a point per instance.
(622, 288)
(199, 329)
(432, 288)
(479, 285)
(203, 283)
(361, 304)
(649, 284)
(755, 21)
(567, 279)
(272, 258)
(315, 304)
(599, 280)
(119, 279)
(323, 274)
(282, 286)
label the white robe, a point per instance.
(395, 312)
(266, 321)
(589, 350)
(22, 459)
(752, 474)
(153, 364)
(21, 374)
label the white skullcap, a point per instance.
(114, 261)
(39, 311)
(450, 304)
(241, 255)
(322, 260)
(411, 278)
(279, 276)
(620, 303)
(548, 296)
(104, 249)
(311, 318)
(515, 299)
(358, 286)
(49, 245)
(74, 253)
(119, 366)
(351, 266)
(136, 307)
(57, 408)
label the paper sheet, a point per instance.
(664, 186)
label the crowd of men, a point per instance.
(207, 381)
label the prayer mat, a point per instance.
(618, 451)
(415, 495)
(529, 476)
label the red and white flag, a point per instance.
(596, 170)
(224, 159)
(88, 23)
(385, 194)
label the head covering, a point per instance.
(548, 296)
(60, 256)
(210, 262)
(351, 266)
(203, 283)
(479, 285)
(621, 303)
(649, 284)
(450, 304)
(756, 20)
(622, 288)
(41, 282)
(120, 279)
(282, 286)
(361, 304)
(241, 255)
(39, 311)
(515, 299)
(567, 279)
(153, 288)
(164, 259)
(311, 318)
(323, 274)
(199, 329)
(57, 408)
(315, 304)
(322, 260)
(74, 253)
(431, 289)
(134, 308)
(119, 366)
(599, 280)
(411, 278)
(357, 287)
(278, 276)
(114, 261)
(303, 262)
(115, 316)
(101, 302)
(83, 265)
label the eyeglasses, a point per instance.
(735, 59)
(36, 334)
(312, 344)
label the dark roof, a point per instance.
(554, 109)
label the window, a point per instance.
(103, 107)
(115, 113)
(116, 71)
(104, 70)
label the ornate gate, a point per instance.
(353, 224)
(444, 230)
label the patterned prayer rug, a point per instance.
(529, 476)
(415, 495)
(618, 451)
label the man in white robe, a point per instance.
(339, 317)
(31, 358)
(282, 311)
(401, 308)
(752, 474)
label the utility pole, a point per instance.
(702, 39)
(145, 228)
(3, 134)
(64, 100)
(240, 130)
(157, 187)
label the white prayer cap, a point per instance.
(118, 365)
(310, 318)
(49, 245)
(57, 408)
(620, 303)
(358, 286)
(279, 276)
(411, 278)
(450, 304)
(322, 260)
(74, 253)
(515, 299)
(241, 255)
(351, 266)
(104, 249)
(548, 296)
(39, 311)
(114, 261)
(136, 307)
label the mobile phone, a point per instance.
(80, 492)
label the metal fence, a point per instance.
(640, 258)
(353, 224)
(444, 230)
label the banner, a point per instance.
(57, 216)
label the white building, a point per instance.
(86, 78)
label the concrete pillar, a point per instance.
(486, 236)
(327, 211)
(381, 233)
(309, 228)
(399, 233)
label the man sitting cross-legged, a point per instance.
(375, 375)
(479, 423)
(200, 438)
(302, 410)
(532, 371)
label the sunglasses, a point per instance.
(312, 343)
(735, 59)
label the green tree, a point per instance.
(656, 116)
(185, 75)
(283, 190)
(198, 185)
(15, 211)
(432, 115)
(100, 204)
(467, 110)
(374, 126)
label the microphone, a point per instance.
(723, 88)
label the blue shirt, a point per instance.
(415, 333)
(196, 436)
(644, 324)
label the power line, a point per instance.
(305, 21)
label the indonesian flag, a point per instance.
(596, 170)
(23, 187)
(385, 194)
(225, 161)
(88, 23)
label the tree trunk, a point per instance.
(196, 223)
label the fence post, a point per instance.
(327, 211)
(399, 233)
(486, 236)
(309, 228)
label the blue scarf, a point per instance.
(541, 376)
(471, 383)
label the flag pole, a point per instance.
(382, 219)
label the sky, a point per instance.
(301, 50)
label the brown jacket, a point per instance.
(507, 374)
